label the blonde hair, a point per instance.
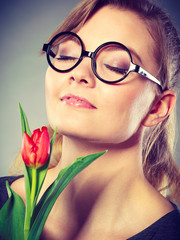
(159, 166)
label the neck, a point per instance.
(120, 160)
(111, 184)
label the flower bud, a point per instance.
(35, 150)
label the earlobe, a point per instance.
(161, 109)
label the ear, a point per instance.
(161, 109)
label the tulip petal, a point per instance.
(26, 149)
(43, 147)
(35, 150)
(35, 135)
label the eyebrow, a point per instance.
(62, 40)
(133, 52)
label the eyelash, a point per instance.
(116, 69)
(66, 58)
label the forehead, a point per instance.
(124, 26)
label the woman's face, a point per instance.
(82, 106)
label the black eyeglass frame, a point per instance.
(133, 67)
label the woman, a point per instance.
(123, 102)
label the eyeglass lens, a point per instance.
(111, 61)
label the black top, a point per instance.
(166, 228)
(3, 191)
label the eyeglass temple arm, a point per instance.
(144, 73)
(46, 49)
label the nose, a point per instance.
(83, 73)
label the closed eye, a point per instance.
(117, 69)
(66, 58)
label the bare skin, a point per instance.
(111, 203)
(111, 199)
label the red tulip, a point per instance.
(35, 150)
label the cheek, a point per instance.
(52, 88)
(139, 105)
(132, 106)
(54, 84)
(51, 83)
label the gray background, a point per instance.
(24, 27)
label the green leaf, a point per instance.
(24, 122)
(12, 217)
(47, 201)
(27, 175)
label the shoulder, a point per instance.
(167, 227)
(13, 181)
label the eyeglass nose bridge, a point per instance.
(87, 54)
(90, 55)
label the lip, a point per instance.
(76, 101)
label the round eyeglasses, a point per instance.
(111, 62)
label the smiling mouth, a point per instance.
(77, 101)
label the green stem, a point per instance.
(33, 187)
(29, 211)
(26, 234)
